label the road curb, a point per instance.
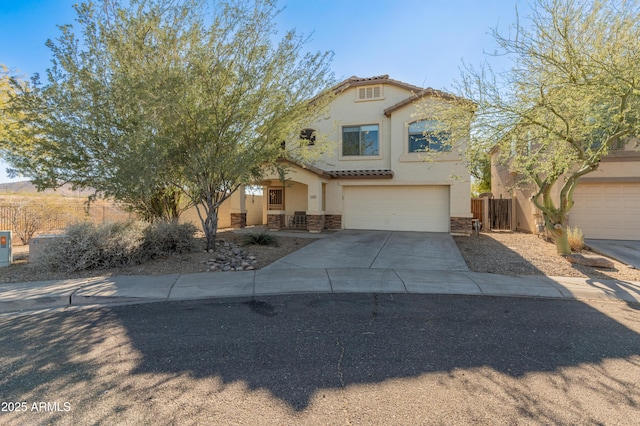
(151, 289)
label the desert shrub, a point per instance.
(165, 238)
(262, 238)
(90, 246)
(576, 238)
(112, 245)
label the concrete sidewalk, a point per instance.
(157, 288)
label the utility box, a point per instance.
(6, 256)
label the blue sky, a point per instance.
(421, 42)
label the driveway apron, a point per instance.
(627, 252)
(377, 250)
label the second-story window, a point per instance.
(308, 135)
(428, 135)
(360, 140)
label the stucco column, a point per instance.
(460, 209)
(238, 209)
(265, 204)
(315, 201)
(315, 210)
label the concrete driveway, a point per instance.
(627, 252)
(378, 249)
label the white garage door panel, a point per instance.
(607, 210)
(397, 208)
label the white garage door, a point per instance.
(397, 208)
(607, 210)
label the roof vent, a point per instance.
(369, 92)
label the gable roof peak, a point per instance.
(356, 79)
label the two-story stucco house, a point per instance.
(607, 201)
(375, 175)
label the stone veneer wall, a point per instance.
(275, 221)
(333, 221)
(315, 222)
(238, 220)
(461, 225)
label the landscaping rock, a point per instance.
(593, 261)
(230, 257)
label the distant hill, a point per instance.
(27, 188)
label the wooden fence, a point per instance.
(500, 211)
(477, 206)
(494, 213)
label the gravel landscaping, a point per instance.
(507, 253)
(245, 257)
(515, 253)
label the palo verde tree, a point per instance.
(9, 86)
(88, 124)
(164, 97)
(572, 94)
(5, 93)
(241, 96)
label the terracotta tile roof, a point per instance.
(344, 174)
(308, 167)
(417, 92)
(357, 174)
(379, 79)
(355, 79)
(422, 93)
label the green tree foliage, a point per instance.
(9, 119)
(5, 88)
(571, 95)
(480, 169)
(87, 125)
(159, 98)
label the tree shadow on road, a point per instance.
(296, 347)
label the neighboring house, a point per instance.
(606, 201)
(375, 175)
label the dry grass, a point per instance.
(576, 238)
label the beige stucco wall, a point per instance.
(253, 204)
(408, 169)
(619, 166)
(295, 197)
(443, 168)
(303, 191)
(334, 197)
(346, 110)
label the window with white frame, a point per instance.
(428, 136)
(360, 140)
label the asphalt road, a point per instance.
(325, 359)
